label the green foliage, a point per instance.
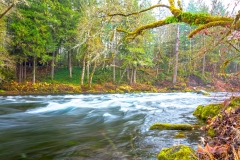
(60, 76)
(161, 76)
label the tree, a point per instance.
(176, 57)
(91, 33)
(30, 32)
(64, 32)
(6, 61)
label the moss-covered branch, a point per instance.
(208, 25)
(203, 20)
(139, 30)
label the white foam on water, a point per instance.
(51, 107)
(106, 114)
(126, 102)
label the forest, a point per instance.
(95, 44)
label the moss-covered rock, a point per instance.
(179, 152)
(180, 135)
(211, 110)
(168, 126)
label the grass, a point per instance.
(61, 75)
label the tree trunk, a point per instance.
(70, 63)
(204, 58)
(121, 76)
(114, 70)
(131, 79)
(92, 73)
(20, 73)
(53, 65)
(25, 70)
(176, 57)
(128, 73)
(134, 75)
(114, 46)
(88, 69)
(190, 55)
(34, 70)
(83, 69)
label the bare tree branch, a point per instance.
(7, 10)
(136, 13)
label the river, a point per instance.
(95, 126)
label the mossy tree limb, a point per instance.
(141, 29)
(204, 20)
(208, 25)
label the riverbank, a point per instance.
(26, 88)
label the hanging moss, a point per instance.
(168, 126)
(179, 152)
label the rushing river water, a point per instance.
(95, 127)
